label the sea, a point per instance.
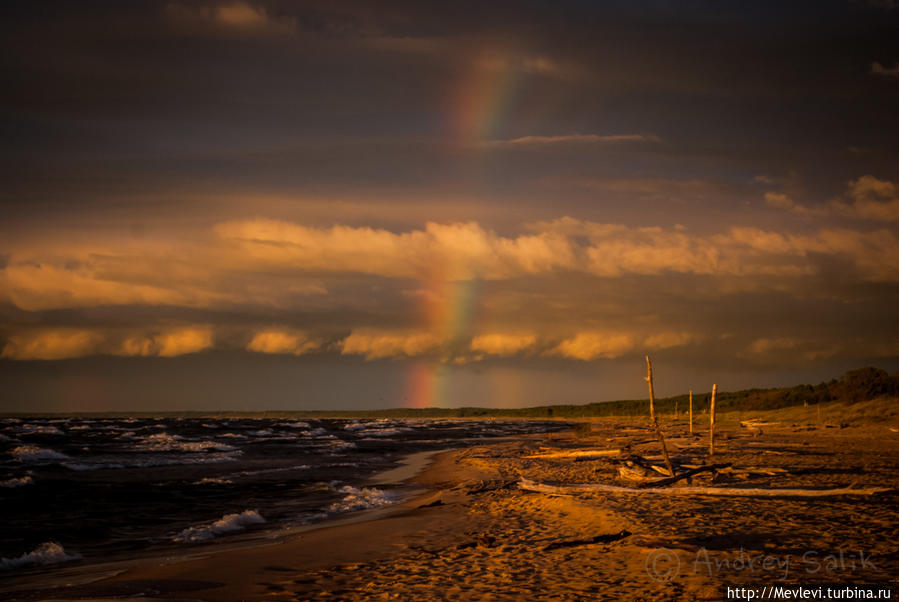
(92, 489)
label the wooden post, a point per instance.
(675, 409)
(712, 422)
(691, 411)
(652, 416)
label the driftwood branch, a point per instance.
(528, 485)
(685, 475)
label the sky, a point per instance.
(248, 204)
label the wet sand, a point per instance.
(475, 535)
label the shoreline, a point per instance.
(474, 533)
(410, 473)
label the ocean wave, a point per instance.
(230, 523)
(360, 499)
(262, 433)
(317, 433)
(19, 482)
(47, 553)
(339, 444)
(250, 473)
(295, 425)
(355, 426)
(153, 462)
(383, 432)
(33, 453)
(232, 435)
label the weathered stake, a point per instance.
(712, 422)
(691, 411)
(652, 416)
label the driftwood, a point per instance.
(528, 485)
(712, 421)
(577, 454)
(608, 538)
(685, 475)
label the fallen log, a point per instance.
(528, 485)
(577, 454)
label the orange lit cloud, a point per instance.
(228, 19)
(503, 344)
(866, 198)
(169, 343)
(459, 251)
(879, 69)
(872, 199)
(54, 344)
(281, 341)
(594, 345)
(40, 287)
(375, 344)
(269, 263)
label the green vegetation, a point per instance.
(855, 386)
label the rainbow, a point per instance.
(447, 313)
(486, 86)
(485, 90)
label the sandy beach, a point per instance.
(472, 532)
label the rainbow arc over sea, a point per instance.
(486, 85)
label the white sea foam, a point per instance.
(47, 553)
(38, 429)
(32, 453)
(213, 481)
(232, 435)
(19, 482)
(163, 442)
(338, 444)
(383, 432)
(79, 427)
(360, 499)
(355, 426)
(295, 425)
(155, 460)
(230, 523)
(262, 433)
(318, 433)
(249, 473)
